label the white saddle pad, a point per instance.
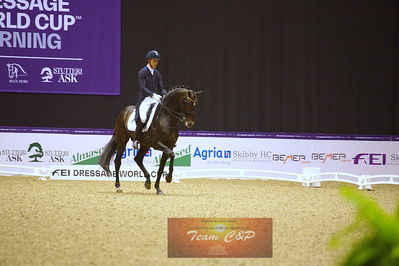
(131, 124)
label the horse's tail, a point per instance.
(107, 154)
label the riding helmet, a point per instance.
(153, 55)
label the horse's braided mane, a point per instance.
(175, 89)
(179, 87)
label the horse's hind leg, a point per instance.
(139, 160)
(160, 172)
(118, 161)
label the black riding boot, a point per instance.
(137, 133)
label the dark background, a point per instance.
(319, 66)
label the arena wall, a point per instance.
(73, 154)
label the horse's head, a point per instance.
(186, 101)
(189, 103)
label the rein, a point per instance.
(180, 116)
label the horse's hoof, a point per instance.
(160, 192)
(168, 178)
(119, 190)
(147, 184)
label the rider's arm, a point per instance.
(160, 85)
(143, 84)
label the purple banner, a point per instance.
(211, 134)
(60, 46)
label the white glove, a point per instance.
(156, 97)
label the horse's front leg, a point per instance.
(160, 172)
(168, 178)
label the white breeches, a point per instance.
(144, 106)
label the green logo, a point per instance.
(37, 150)
(182, 158)
(87, 158)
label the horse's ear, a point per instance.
(199, 92)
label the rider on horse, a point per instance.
(151, 91)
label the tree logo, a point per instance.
(47, 74)
(37, 151)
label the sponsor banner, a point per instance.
(270, 154)
(53, 47)
(358, 157)
(41, 149)
(62, 151)
(219, 237)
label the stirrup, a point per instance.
(136, 144)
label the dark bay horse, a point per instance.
(177, 105)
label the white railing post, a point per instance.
(363, 183)
(309, 176)
(177, 175)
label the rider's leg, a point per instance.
(137, 133)
(141, 119)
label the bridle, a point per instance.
(180, 115)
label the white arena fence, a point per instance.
(43, 173)
(310, 176)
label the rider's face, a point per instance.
(153, 62)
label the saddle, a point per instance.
(131, 123)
